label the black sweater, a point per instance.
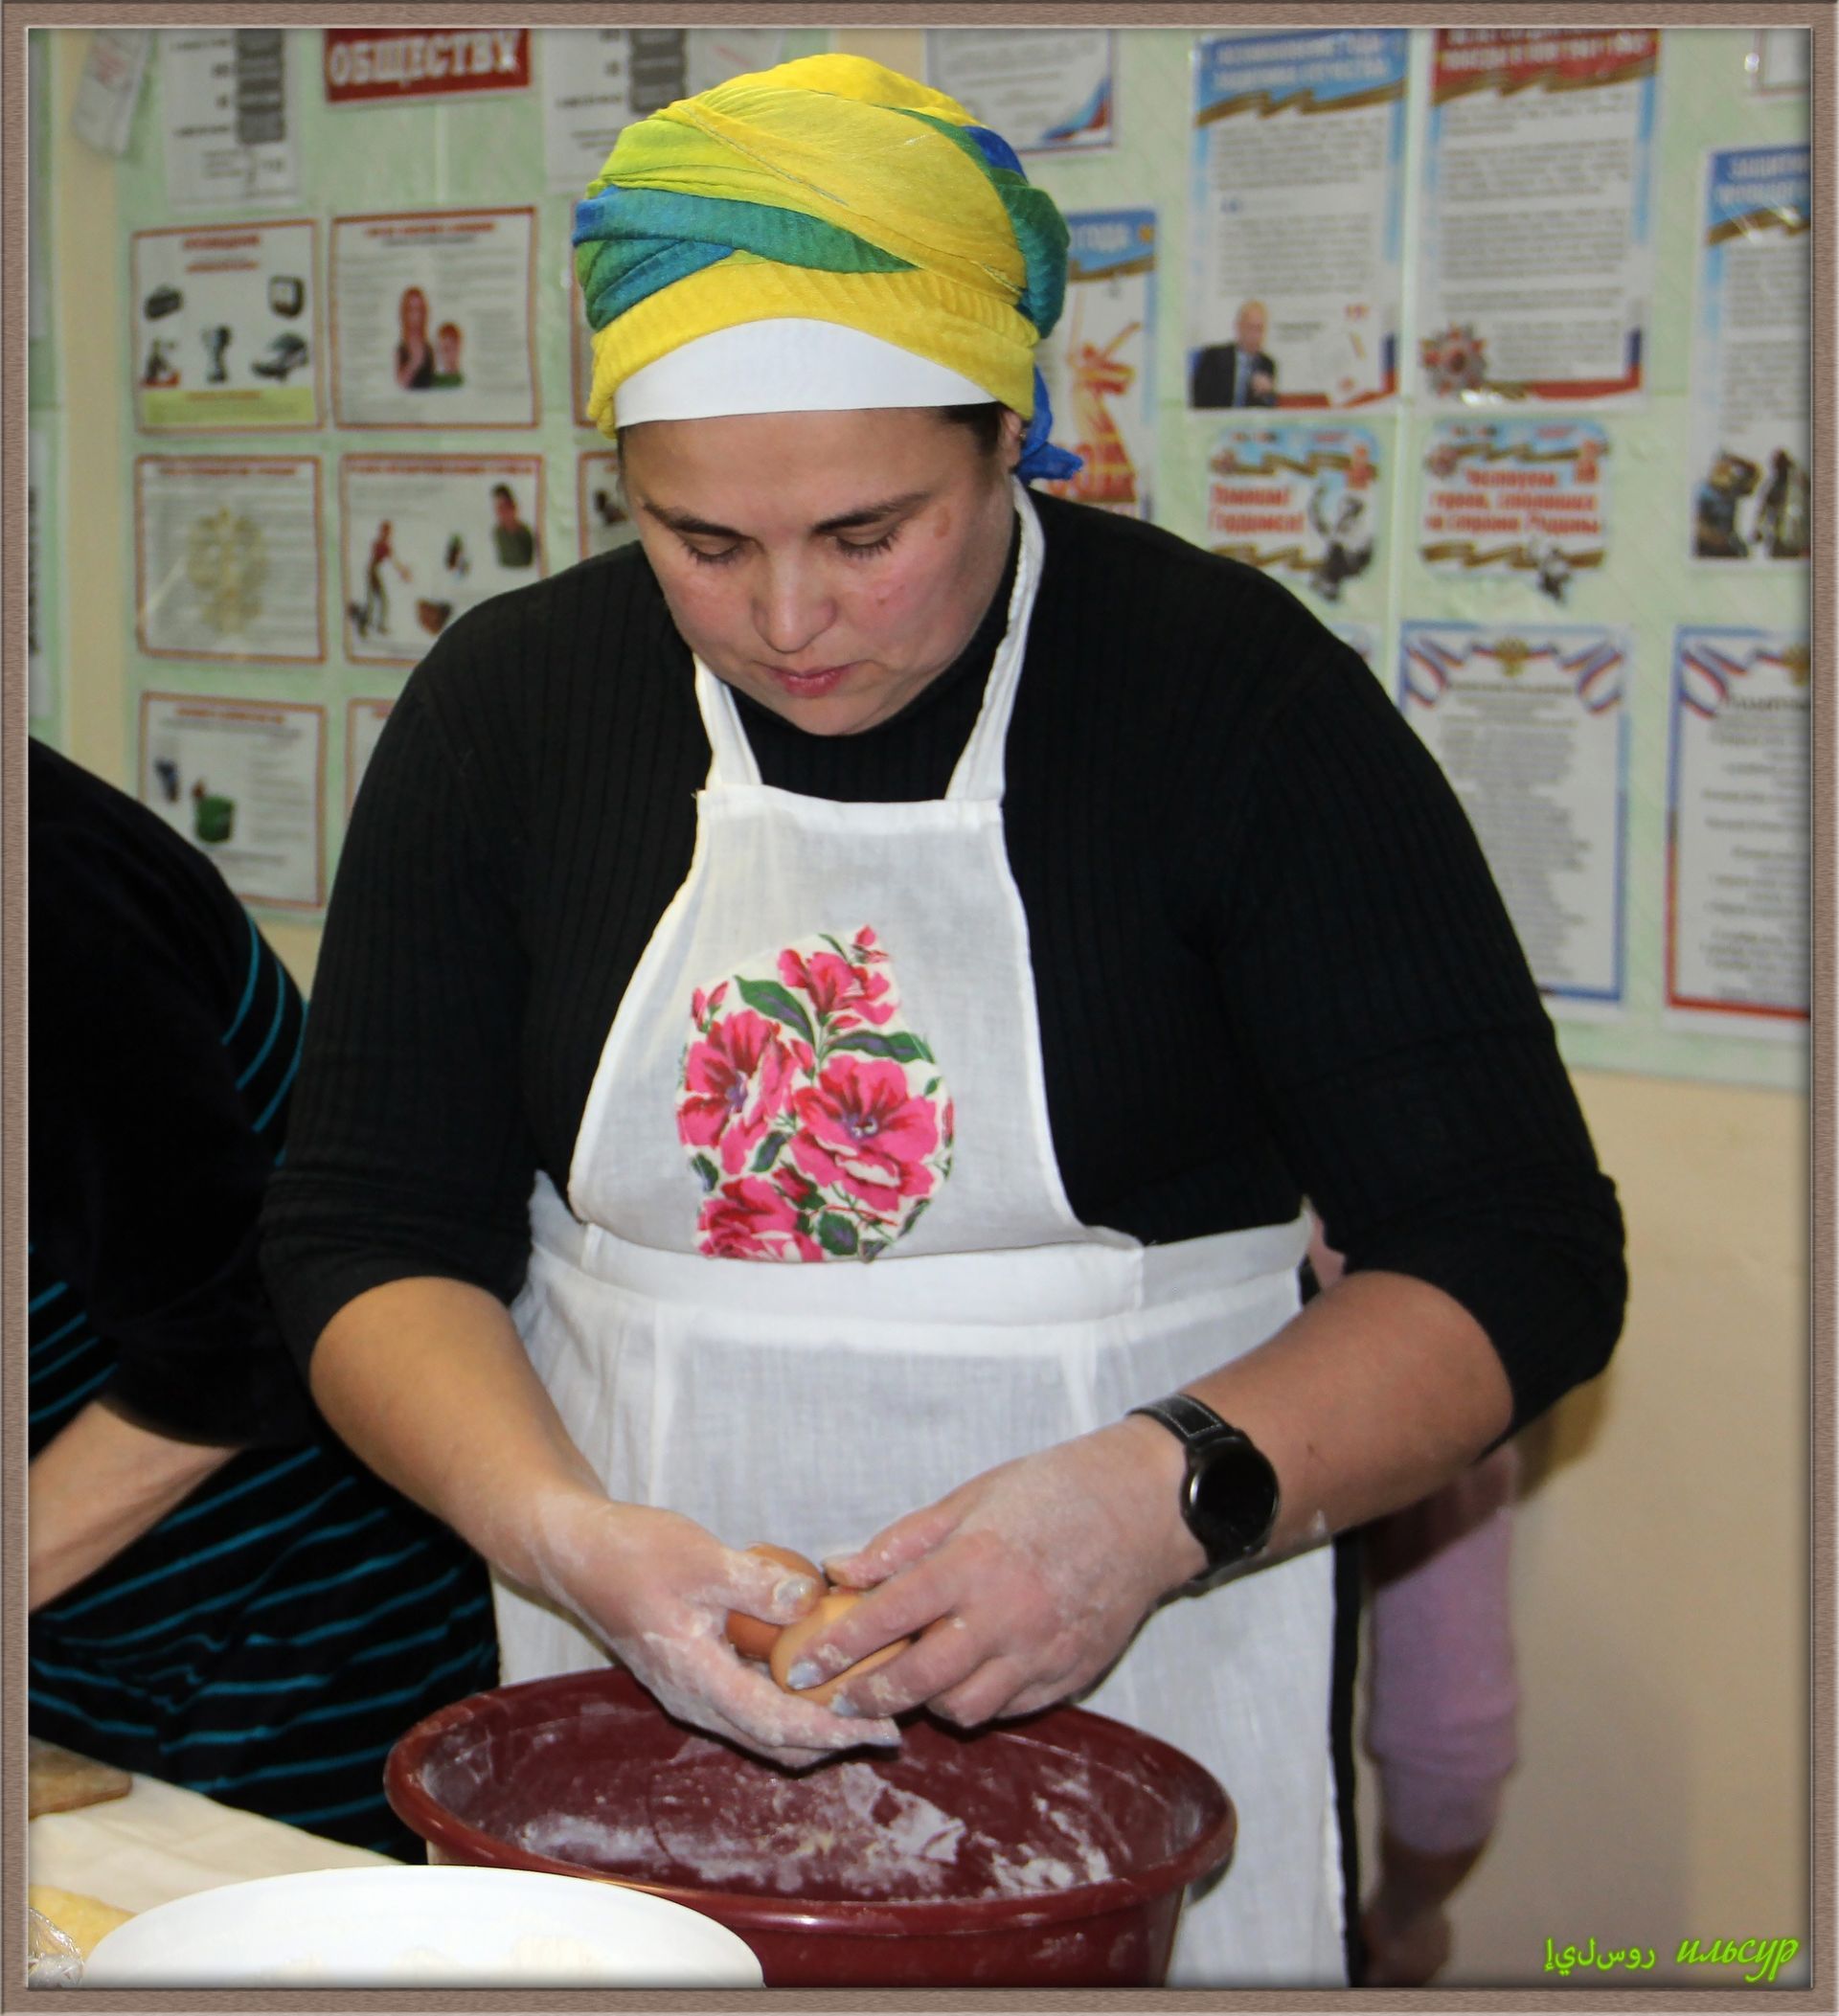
(1258, 915)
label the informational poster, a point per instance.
(393, 66)
(226, 334)
(1751, 504)
(1530, 728)
(1045, 90)
(427, 536)
(1100, 361)
(364, 721)
(434, 319)
(244, 781)
(1536, 270)
(227, 558)
(601, 509)
(1739, 837)
(229, 133)
(39, 697)
(1301, 501)
(1297, 214)
(596, 81)
(1522, 499)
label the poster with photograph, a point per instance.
(596, 81)
(225, 327)
(1536, 267)
(427, 536)
(1751, 492)
(1045, 90)
(227, 558)
(434, 319)
(1737, 862)
(1524, 499)
(602, 514)
(364, 721)
(1530, 728)
(1297, 219)
(244, 781)
(1306, 502)
(1100, 362)
(231, 137)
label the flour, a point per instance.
(846, 1832)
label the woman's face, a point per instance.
(830, 565)
(415, 314)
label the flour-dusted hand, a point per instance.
(1021, 1586)
(657, 1588)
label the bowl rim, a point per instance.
(1211, 1850)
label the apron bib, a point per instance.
(829, 1055)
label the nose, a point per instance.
(792, 607)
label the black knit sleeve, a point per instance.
(146, 1172)
(409, 1152)
(1401, 1051)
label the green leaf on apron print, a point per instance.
(836, 1234)
(768, 1151)
(770, 999)
(902, 1048)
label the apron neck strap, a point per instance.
(979, 770)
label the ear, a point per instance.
(1009, 442)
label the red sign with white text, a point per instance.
(1511, 59)
(368, 66)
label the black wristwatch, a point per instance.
(1229, 1495)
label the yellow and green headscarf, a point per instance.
(833, 189)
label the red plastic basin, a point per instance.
(1051, 1853)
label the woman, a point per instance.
(876, 864)
(219, 1596)
(413, 355)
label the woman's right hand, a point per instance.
(657, 1588)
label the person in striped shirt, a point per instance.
(220, 1595)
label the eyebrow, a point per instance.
(844, 521)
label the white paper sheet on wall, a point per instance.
(111, 88)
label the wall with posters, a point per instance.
(307, 379)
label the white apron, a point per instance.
(696, 1339)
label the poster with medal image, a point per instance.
(428, 536)
(1100, 361)
(1305, 503)
(227, 557)
(1523, 499)
(225, 335)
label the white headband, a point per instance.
(789, 365)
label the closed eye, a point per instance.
(866, 549)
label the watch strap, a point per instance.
(1190, 1419)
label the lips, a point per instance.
(812, 684)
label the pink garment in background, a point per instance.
(1442, 1701)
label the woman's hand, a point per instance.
(1022, 1586)
(657, 1588)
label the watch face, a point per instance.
(1232, 1500)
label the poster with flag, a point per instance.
(1530, 727)
(1738, 839)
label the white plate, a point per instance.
(407, 1927)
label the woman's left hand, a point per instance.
(1021, 1586)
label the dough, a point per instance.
(82, 1920)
